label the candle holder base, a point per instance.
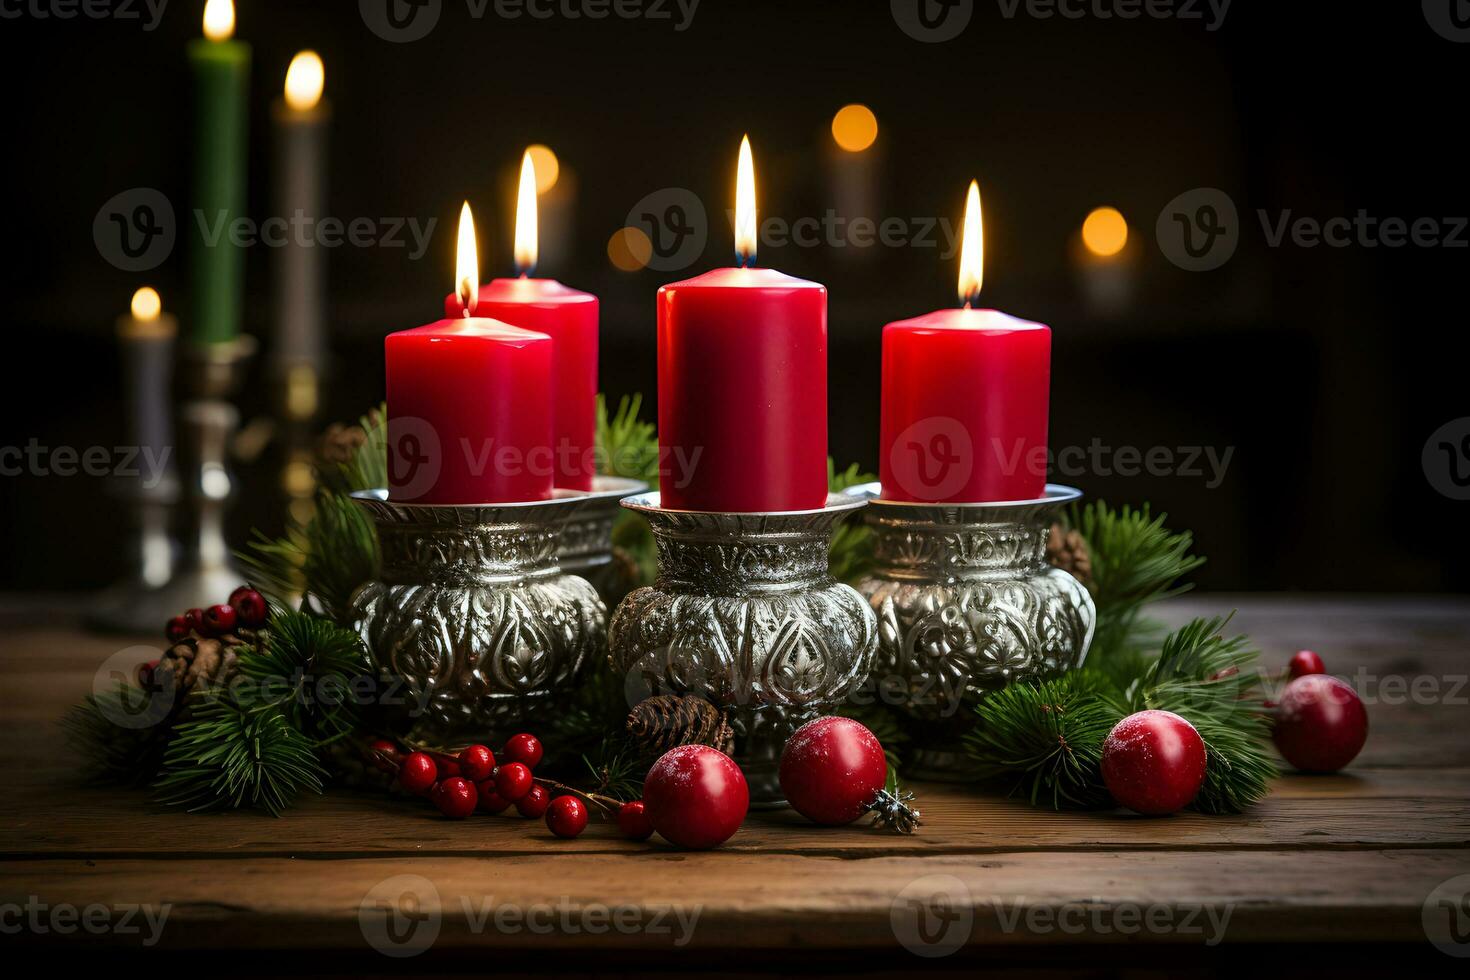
(966, 603)
(472, 620)
(586, 548)
(746, 615)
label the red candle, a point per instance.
(742, 383)
(569, 317)
(965, 398)
(469, 411)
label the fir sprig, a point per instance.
(314, 667)
(627, 446)
(113, 753)
(852, 546)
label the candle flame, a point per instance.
(304, 81)
(146, 304)
(745, 213)
(467, 263)
(527, 241)
(219, 20)
(972, 249)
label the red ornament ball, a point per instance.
(566, 816)
(219, 620)
(418, 773)
(476, 763)
(177, 629)
(832, 769)
(1154, 762)
(523, 748)
(633, 821)
(1305, 662)
(1320, 723)
(490, 801)
(384, 755)
(535, 802)
(513, 780)
(696, 796)
(456, 797)
(250, 607)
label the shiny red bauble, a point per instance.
(250, 607)
(566, 816)
(832, 769)
(1305, 663)
(490, 801)
(522, 748)
(455, 798)
(418, 773)
(633, 821)
(696, 796)
(1320, 723)
(1154, 762)
(476, 763)
(513, 780)
(535, 802)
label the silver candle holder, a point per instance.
(586, 547)
(967, 603)
(746, 614)
(472, 618)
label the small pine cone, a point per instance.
(194, 661)
(1068, 551)
(664, 722)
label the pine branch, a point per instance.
(852, 545)
(323, 561)
(627, 446)
(113, 753)
(313, 667)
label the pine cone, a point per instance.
(1068, 551)
(664, 722)
(194, 661)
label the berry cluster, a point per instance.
(246, 609)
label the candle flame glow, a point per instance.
(527, 239)
(467, 263)
(304, 81)
(219, 20)
(745, 213)
(972, 249)
(146, 304)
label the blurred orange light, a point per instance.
(855, 128)
(1105, 232)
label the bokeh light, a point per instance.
(1105, 232)
(855, 128)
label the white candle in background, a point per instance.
(853, 174)
(1106, 262)
(300, 179)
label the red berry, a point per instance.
(456, 798)
(523, 748)
(490, 801)
(250, 606)
(1154, 762)
(535, 802)
(418, 773)
(194, 619)
(513, 780)
(696, 796)
(447, 765)
(385, 755)
(219, 620)
(832, 770)
(146, 674)
(566, 816)
(633, 821)
(1305, 663)
(177, 629)
(476, 763)
(1320, 724)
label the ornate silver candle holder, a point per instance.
(967, 603)
(586, 546)
(746, 614)
(473, 617)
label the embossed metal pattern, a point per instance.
(473, 615)
(745, 613)
(966, 603)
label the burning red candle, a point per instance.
(569, 317)
(742, 383)
(965, 397)
(469, 406)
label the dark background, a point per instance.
(1326, 369)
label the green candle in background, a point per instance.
(221, 67)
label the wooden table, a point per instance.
(1346, 860)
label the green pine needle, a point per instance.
(311, 667)
(113, 753)
(852, 544)
(627, 446)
